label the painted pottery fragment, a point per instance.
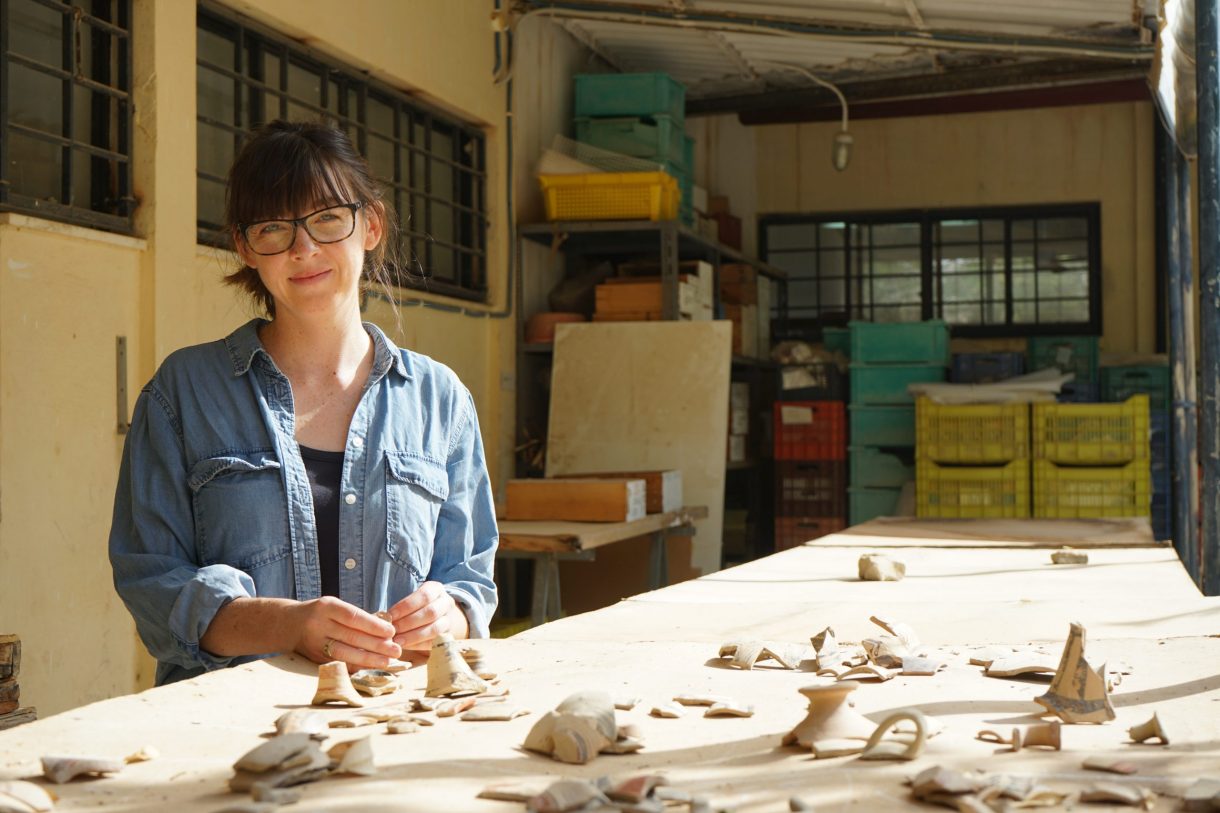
(908, 748)
(65, 769)
(448, 672)
(877, 567)
(374, 682)
(1078, 691)
(580, 728)
(335, 686)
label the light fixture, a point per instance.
(840, 150)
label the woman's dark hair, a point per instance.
(286, 167)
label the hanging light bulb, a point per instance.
(840, 150)
(840, 153)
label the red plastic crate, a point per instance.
(792, 532)
(810, 430)
(811, 488)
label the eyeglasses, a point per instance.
(329, 225)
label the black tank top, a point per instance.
(325, 470)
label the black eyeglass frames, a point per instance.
(329, 225)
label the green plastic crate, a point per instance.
(881, 425)
(659, 138)
(887, 383)
(878, 468)
(629, 94)
(900, 343)
(1070, 354)
(837, 340)
(864, 504)
(1120, 383)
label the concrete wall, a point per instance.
(1098, 153)
(66, 293)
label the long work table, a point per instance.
(1143, 616)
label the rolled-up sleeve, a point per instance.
(157, 572)
(466, 533)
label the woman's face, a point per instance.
(310, 278)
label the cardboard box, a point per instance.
(718, 204)
(737, 448)
(739, 421)
(643, 295)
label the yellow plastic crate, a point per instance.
(971, 433)
(611, 196)
(1092, 434)
(1073, 491)
(972, 492)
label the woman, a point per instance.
(303, 485)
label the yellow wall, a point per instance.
(1098, 153)
(66, 292)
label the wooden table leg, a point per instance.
(658, 568)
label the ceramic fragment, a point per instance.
(250, 807)
(878, 747)
(986, 655)
(374, 682)
(1069, 556)
(877, 567)
(335, 686)
(1030, 664)
(474, 659)
(799, 805)
(19, 796)
(701, 699)
(830, 672)
(565, 795)
(1115, 793)
(274, 753)
(402, 727)
(65, 769)
(355, 721)
(353, 756)
(868, 672)
(941, 786)
(457, 705)
(915, 665)
(1078, 691)
(825, 647)
(626, 703)
(730, 708)
(448, 672)
(1202, 795)
(425, 703)
(276, 796)
(666, 793)
(1045, 735)
(499, 711)
(579, 728)
(396, 666)
(1014, 740)
(886, 651)
(831, 727)
(669, 711)
(1110, 765)
(513, 791)
(1149, 730)
(636, 789)
(291, 759)
(745, 654)
(301, 721)
(899, 629)
(145, 754)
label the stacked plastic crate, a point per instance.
(1069, 354)
(642, 115)
(985, 368)
(972, 460)
(885, 359)
(1119, 384)
(810, 458)
(1091, 460)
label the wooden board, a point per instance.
(569, 537)
(663, 488)
(28, 714)
(1009, 533)
(586, 500)
(10, 656)
(10, 696)
(641, 396)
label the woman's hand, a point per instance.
(425, 614)
(333, 630)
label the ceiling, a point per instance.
(769, 60)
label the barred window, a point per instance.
(433, 165)
(65, 111)
(987, 272)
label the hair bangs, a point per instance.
(286, 177)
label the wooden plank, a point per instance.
(10, 656)
(902, 532)
(602, 500)
(663, 488)
(10, 696)
(13, 719)
(569, 537)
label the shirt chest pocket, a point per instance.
(415, 490)
(241, 517)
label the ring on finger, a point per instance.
(326, 649)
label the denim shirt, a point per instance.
(213, 501)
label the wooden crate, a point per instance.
(600, 500)
(662, 489)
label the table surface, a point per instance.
(556, 536)
(1142, 613)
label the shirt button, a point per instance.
(350, 499)
(350, 564)
(358, 442)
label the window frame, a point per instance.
(467, 200)
(68, 145)
(926, 219)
